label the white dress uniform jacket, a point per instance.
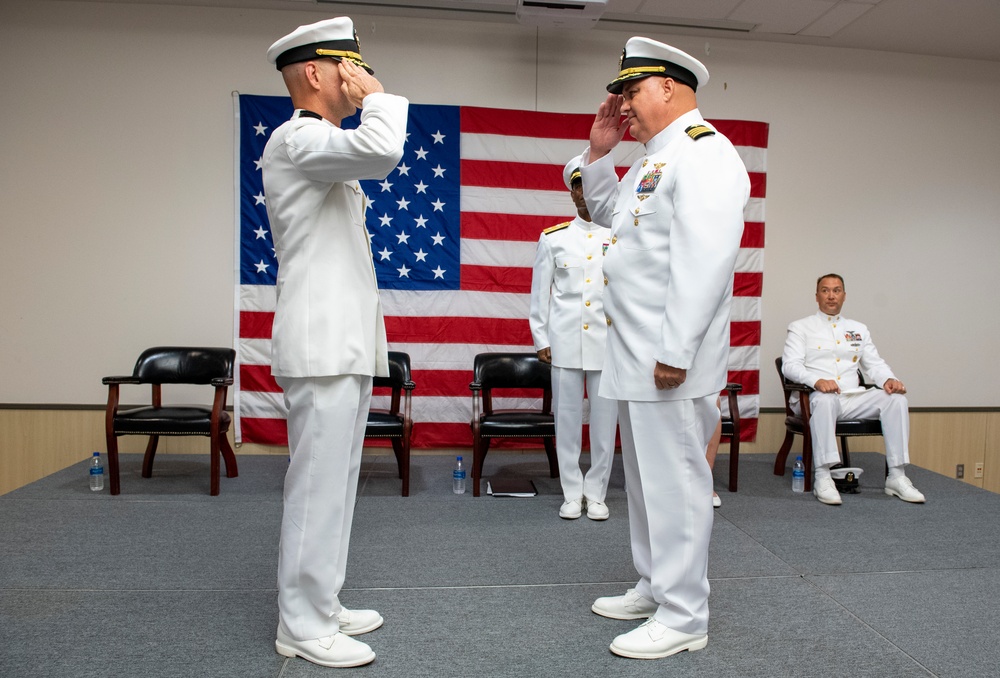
(831, 347)
(676, 224)
(328, 319)
(566, 289)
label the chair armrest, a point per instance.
(107, 381)
(475, 386)
(222, 381)
(734, 388)
(801, 388)
(408, 386)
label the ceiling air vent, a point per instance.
(560, 14)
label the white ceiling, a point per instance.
(967, 29)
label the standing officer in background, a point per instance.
(676, 224)
(328, 335)
(825, 351)
(568, 328)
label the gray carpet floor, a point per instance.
(165, 580)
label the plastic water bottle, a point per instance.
(96, 473)
(798, 475)
(458, 477)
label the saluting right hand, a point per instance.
(357, 82)
(609, 127)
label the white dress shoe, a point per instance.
(902, 487)
(716, 501)
(571, 510)
(338, 651)
(653, 640)
(826, 492)
(597, 510)
(629, 606)
(356, 622)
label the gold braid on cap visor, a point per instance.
(639, 70)
(341, 54)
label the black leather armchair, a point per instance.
(173, 365)
(798, 424)
(510, 371)
(395, 423)
(731, 432)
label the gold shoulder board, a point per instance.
(557, 227)
(698, 131)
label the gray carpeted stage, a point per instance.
(167, 581)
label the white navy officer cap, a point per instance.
(643, 57)
(334, 38)
(571, 172)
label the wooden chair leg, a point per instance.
(786, 447)
(112, 441)
(480, 446)
(402, 453)
(550, 452)
(147, 459)
(229, 457)
(734, 462)
(807, 460)
(215, 455)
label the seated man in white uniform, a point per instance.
(328, 332)
(825, 351)
(569, 331)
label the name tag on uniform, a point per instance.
(649, 182)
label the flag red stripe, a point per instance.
(742, 132)
(258, 378)
(516, 280)
(744, 333)
(426, 435)
(753, 234)
(748, 379)
(493, 174)
(476, 120)
(519, 227)
(266, 431)
(758, 184)
(457, 330)
(747, 284)
(255, 324)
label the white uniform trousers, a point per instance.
(669, 487)
(891, 409)
(326, 427)
(567, 403)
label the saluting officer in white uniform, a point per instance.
(676, 223)
(328, 334)
(825, 351)
(569, 331)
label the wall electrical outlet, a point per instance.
(959, 470)
(979, 469)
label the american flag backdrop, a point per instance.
(453, 231)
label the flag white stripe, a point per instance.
(514, 253)
(458, 303)
(544, 151)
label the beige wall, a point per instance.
(35, 443)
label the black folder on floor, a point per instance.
(511, 487)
